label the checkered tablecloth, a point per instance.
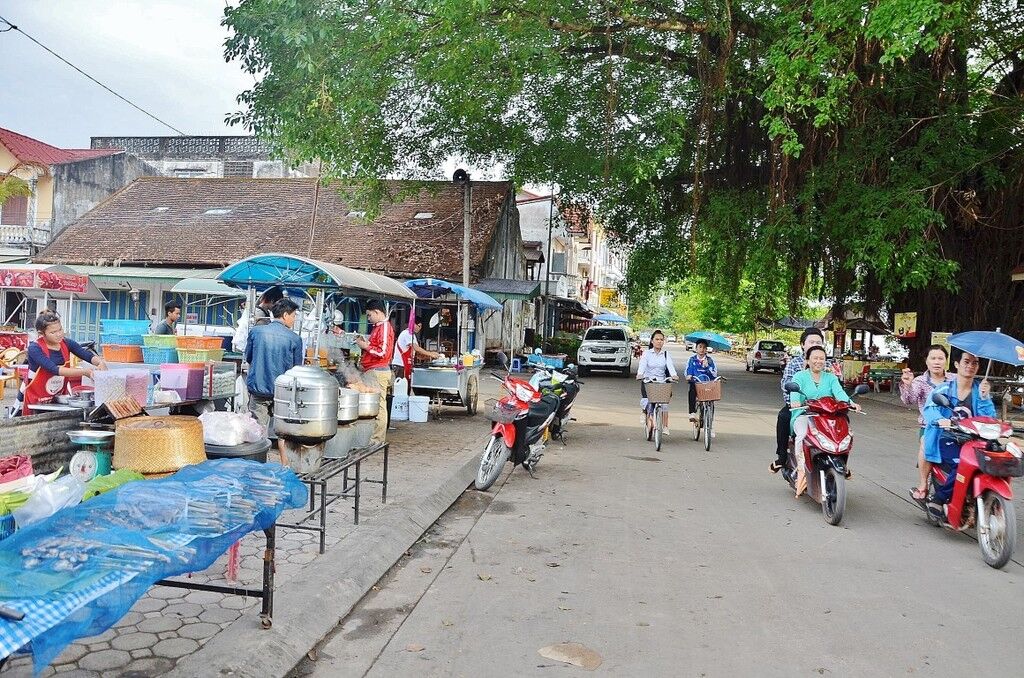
(43, 615)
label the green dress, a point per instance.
(828, 386)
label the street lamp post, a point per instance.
(461, 177)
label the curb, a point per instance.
(310, 606)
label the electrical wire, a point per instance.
(12, 27)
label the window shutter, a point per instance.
(15, 211)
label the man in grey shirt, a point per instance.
(172, 312)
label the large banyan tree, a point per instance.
(865, 152)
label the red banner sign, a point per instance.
(63, 282)
(12, 277)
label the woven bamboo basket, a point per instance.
(153, 445)
(709, 390)
(658, 393)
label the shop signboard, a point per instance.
(906, 325)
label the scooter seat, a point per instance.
(542, 410)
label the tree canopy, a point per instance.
(853, 151)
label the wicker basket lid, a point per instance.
(158, 444)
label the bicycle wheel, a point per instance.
(709, 418)
(659, 423)
(699, 414)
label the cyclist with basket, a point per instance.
(655, 366)
(700, 368)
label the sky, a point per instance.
(165, 55)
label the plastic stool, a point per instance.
(517, 364)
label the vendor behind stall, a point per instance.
(49, 363)
(408, 348)
(375, 361)
(172, 312)
(271, 350)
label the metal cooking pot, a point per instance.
(369, 405)
(305, 404)
(348, 406)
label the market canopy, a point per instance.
(430, 288)
(611, 317)
(213, 288)
(38, 281)
(263, 271)
(504, 289)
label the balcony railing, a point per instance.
(37, 234)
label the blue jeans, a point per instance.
(950, 451)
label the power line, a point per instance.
(12, 27)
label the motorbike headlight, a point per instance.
(824, 443)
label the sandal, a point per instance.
(775, 466)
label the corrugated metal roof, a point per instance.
(160, 273)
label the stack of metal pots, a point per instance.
(348, 413)
(305, 414)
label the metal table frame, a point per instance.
(317, 480)
(265, 594)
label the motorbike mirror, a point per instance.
(861, 389)
(792, 387)
(435, 320)
(941, 399)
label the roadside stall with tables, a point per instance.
(204, 300)
(451, 379)
(326, 428)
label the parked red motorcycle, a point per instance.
(825, 453)
(520, 432)
(982, 494)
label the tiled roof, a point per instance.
(29, 150)
(577, 218)
(162, 221)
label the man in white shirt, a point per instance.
(407, 348)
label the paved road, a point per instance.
(690, 563)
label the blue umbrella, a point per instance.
(992, 345)
(714, 340)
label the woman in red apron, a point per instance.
(49, 364)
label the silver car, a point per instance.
(766, 354)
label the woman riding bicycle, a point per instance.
(701, 367)
(655, 363)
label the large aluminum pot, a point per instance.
(348, 406)
(369, 405)
(305, 405)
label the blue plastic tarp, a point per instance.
(429, 288)
(78, 572)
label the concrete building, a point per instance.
(196, 157)
(65, 183)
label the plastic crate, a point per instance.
(121, 353)
(200, 355)
(157, 355)
(200, 343)
(113, 326)
(121, 339)
(7, 526)
(159, 340)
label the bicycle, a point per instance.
(659, 393)
(708, 392)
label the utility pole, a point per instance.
(461, 177)
(547, 267)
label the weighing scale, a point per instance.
(93, 459)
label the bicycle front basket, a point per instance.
(709, 390)
(658, 393)
(502, 412)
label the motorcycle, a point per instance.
(982, 494)
(825, 453)
(566, 386)
(521, 428)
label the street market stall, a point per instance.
(41, 284)
(453, 380)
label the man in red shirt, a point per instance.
(375, 361)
